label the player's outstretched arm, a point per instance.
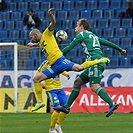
(110, 44)
(52, 19)
(30, 44)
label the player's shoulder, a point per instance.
(84, 33)
(45, 30)
(48, 31)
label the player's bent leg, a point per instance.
(111, 109)
(87, 64)
(39, 77)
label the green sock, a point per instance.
(104, 95)
(74, 94)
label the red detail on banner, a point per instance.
(88, 101)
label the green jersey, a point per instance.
(91, 45)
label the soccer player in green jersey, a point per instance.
(92, 49)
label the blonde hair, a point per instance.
(35, 31)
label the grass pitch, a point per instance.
(74, 123)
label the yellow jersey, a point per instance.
(52, 83)
(49, 46)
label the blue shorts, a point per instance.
(57, 97)
(61, 65)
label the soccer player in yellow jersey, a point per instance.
(56, 95)
(48, 45)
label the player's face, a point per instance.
(30, 12)
(78, 28)
(35, 38)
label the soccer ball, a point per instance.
(61, 36)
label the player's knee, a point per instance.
(35, 80)
(78, 83)
(94, 87)
(77, 68)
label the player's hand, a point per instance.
(30, 44)
(68, 76)
(123, 52)
(50, 11)
(104, 60)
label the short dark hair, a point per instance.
(30, 10)
(86, 24)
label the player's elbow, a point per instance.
(78, 83)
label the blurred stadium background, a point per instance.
(103, 15)
(117, 79)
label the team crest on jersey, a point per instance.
(43, 44)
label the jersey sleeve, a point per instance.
(78, 39)
(48, 32)
(64, 73)
(110, 44)
(68, 48)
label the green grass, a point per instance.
(74, 123)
